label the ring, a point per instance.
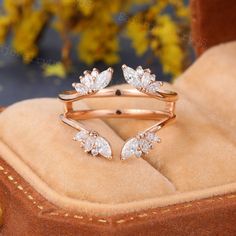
(93, 85)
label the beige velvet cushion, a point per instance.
(196, 159)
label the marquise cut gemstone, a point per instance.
(139, 145)
(89, 143)
(103, 147)
(152, 137)
(81, 88)
(93, 143)
(129, 73)
(140, 71)
(87, 80)
(129, 148)
(94, 73)
(146, 79)
(102, 80)
(144, 145)
(138, 153)
(131, 76)
(153, 87)
(81, 135)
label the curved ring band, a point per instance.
(139, 145)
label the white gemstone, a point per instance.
(144, 145)
(81, 88)
(89, 143)
(140, 71)
(81, 135)
(94, 73)
(103, 147)
(94, 151)
(103, 79)
(152, 137)
(87, 80)
(131, 76)
(129, 148)
(147, 79)
(138, 153)
(157, 139)
(153, 87)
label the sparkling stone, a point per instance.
(94, 152)
(81, 135)
(153, 87)
(147, 79)
(102, 80)
(131, 76)
(89, 143)
(138, 153)
(87, 80)
(144, 145)
(140, 71)
(152, 137)
(103, 147)
(81, 88)
(129, 148)
(94, 73)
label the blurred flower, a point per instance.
(26, 34)
(137, 31)
(96, 45)
(150, 28)
(4, 25)
(169, 47)
(57, 69)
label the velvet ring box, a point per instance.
(185, 186)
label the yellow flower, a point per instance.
(99, 45)
(4, 27)
(169, 47)
(27, 33)
(56, 69)
(137, 31)
(86, 6)
(96, 24)
(14, 8)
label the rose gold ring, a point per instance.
(92, 85)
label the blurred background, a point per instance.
(46, 44)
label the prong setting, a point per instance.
(93, 81)
(94, 144)
(140, 145)
(142, 79)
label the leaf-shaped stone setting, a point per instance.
(81, 88)
(141, 79)
(93, 81)
(131, 76)
(102, 79)
(129, 148)
(81, 135)
(93, 143)
(139, 145)
(153, 87)
(103, 147)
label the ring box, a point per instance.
(185, 186)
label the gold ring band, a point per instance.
(95, 144)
